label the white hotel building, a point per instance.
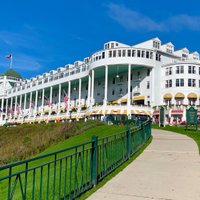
(120, 81)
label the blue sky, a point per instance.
(46, 34)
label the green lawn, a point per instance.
(195, 135)
(27, 140)
(100, 131)
(72, 169)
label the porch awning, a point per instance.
(138, 98)
(116, 102)
(192, 96)
(179, 95)
(123, 100)
(167, 96)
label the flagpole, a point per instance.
(11, 61)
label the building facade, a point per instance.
(117, 81)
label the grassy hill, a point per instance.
(37, 133)
(27, 140)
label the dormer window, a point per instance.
(112, 45)
(156, 44)
(184, 55)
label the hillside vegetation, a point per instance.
(24, 141)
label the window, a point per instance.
(133, 53)
(138, 53)
(98, 94)
(148, 84)
(168, 83)
(179, 69)
(148, 72)
(110, 54)
(113, 92)
(112, 45)
(124, 53)
(113, 81)
(99, 82)
(158, 57)
(86, 87)
(143, 54)
(191, 82)
(103, 55)
(119, 53)
(180, 82)
(151, 55)
(156, 44)
(147, 54)
(114, 53)
(191, 69)
(129, 53)
(170, 71)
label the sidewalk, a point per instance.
(169, 169)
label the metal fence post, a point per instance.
(94, 160)
(143, 133)
(128, 137)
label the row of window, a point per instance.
(180, 70)
(181, 83)
(130, 53)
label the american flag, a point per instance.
(18, 108)
(10, 111)
(47, 101)
(66, 101)
(8, 56)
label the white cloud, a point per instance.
(133, 20)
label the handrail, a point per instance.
(69, 172)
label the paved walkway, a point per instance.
(169, 169)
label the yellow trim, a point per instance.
(125, 112)
(192, 96)
(180, 95)
(167, 96)
(123, 100)
(100, 112)
(132, 112)
(116, 101)
(138, 98)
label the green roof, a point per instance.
(12, 73)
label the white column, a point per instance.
(30, 103)
(59, 97)
(79, 92)
(25, 102)
(69, 93)
(6, 107)
(20, 103)
(43, 90)
(92, 91)
(36, 100)
(89, 90)
(11, 105)
(106, 86)
(129, 86)
(51, 93)
(15, 104)
(2, 102)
